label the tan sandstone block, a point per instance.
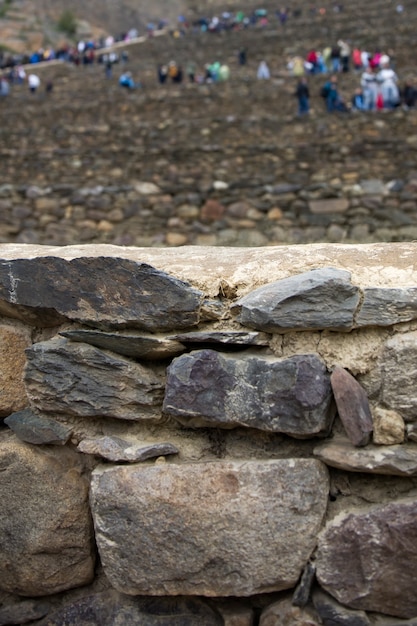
(275, 214)
(176, 239)
(13, 342)
(334, 205)
(389, 427)
(46, 204)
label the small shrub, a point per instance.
(67, 23)
(4, 7)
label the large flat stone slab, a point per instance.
(292, 396)
(368, 559)
(396, 460)
(214, 529)
(117, 449)
(319, 299)
(46, 541)
(385, 307)
(71, 378)
(104, 292)
(129, 344)
(230, 338)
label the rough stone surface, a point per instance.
(352, 406)
(333, 205)
(356, 351)
(212, 268)
(129, 344)
(13, 342)
(395, 460)
(238, 338)
(235, 613)
(367, 560)
(383, 620)
(101, 291)
(318, 299)
(399, 375)
(302, 592)
(334, 614)
(116, 449)
(46, 541)
(283, 613)
(114, 609)
(386, 307)
(292, 395)
(213, 529)
(389, 427)
(79, 379)
(22, 612)
(411, 432)
(32, 428)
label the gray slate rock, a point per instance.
(334, 614)
(386, 307)
(292, 396)
(353, 406)
(383, 620)
(45, 528)
(398, 375)
(79, 379)
(396, 460)
(113, 609)
(367, 559)
(22, 612)
(412, 432)
(104, 292)
(232, 337)
(233, 528)
(116, 449)
(373, 187)
(283, 613)
(322, 298)
(129, 344)
(283, 188)
(302, 592)
(32, 428)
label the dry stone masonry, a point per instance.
(334, 205)
(208, 436)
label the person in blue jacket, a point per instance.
(127, 81)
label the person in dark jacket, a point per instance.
(303, 96)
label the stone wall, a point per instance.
(251, 213)
(208, 436)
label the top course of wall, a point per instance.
(240, 270)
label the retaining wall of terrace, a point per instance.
(208, 435)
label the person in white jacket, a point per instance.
(388, 80)
(263, 72)
(369, 85)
